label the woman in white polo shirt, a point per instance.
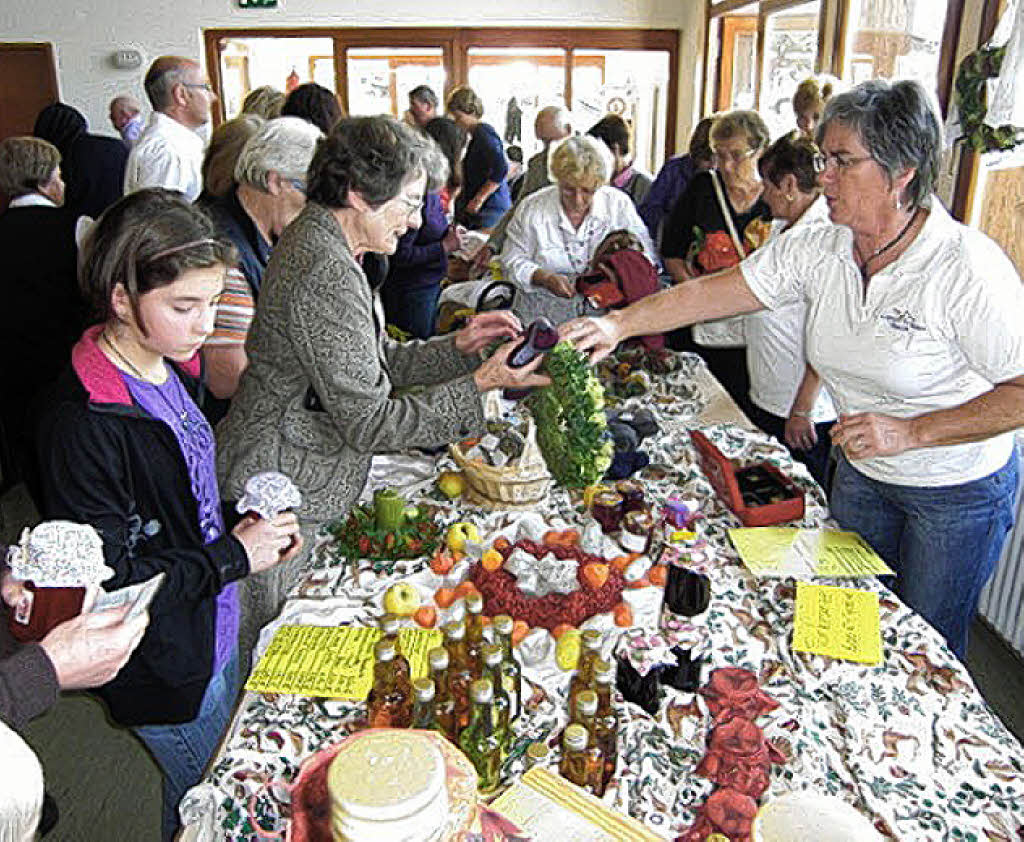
(914, 324)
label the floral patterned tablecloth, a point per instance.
(910, 743)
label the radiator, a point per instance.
(1002, 601)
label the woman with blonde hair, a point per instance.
(554, 232)
(265, 101)
(809, 102)
(226, 144)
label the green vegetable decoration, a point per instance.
(571, 429)
(972, 103)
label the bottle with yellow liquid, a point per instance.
(444, 704)
(460, 672)
(590, 644)
(389, 626)
(586, 710)
(606, 720)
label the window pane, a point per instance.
(790, 50)
(737, 59)
(283, 63)
(514, 85)
(379, 79)
(630, 83)
(895, 39)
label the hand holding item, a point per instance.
(800, 433)
(866, 435)
(90, 649)
(268, 542)
(481, 260)
(495, 373)
(596, 337)
(483, 329)
(556, 284)
(452, 240)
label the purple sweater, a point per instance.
(170, 403)
(420, 259)
(670, 184)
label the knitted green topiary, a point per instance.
(571, 429)
(971, 102)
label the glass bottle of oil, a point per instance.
(573, 766)
(460, 672)
(538, 754)
(424, 716)
(388, 705)
(590, 644)
(480, 742)
(511, 672)
(586, 710)
(389, 626)
(475, 639)
(606, 720)
(444, 704)
(501, 707)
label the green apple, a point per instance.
(459, 533)
(402, 599)
(451, 483)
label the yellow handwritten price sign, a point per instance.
(838, 622)
(332, 661)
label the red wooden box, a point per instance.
(721, 473)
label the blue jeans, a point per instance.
(413, 310)
(183, 751)
(942, 542)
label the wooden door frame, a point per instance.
(455, 44)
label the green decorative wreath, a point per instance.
(972, 103)
(571, 429)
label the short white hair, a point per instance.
(284, 145)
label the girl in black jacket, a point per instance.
(122, 445)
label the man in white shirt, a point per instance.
(169, 152)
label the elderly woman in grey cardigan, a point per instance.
(318, 398)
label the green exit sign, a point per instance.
(257, 4)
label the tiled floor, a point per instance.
(108, 788)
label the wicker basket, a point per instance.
(521, 485)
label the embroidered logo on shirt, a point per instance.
(902, 320)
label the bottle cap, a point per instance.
(389, 624)
(438, 658)
(538, 751)
(492, 655)
(575, 737)
(474, 603)
(502, 624)
(384, 650)
(482, 692)
(591, 639)
(454, 631)
(586, 703)
(604, 671)
(424, 689)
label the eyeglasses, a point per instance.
(729, 156)
(298, 184)
(201, 85)
(842, 162)
(410, 206)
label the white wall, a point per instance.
(85, 34)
